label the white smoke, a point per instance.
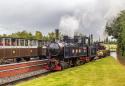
(91, 18)
(68, 25)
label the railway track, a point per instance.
(17, 71)
(14, 83)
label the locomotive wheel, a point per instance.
(42, 57)
(82, 62)
(87, 59)
(70, 64)
(78, 62)
(18, 60)
(26, 58)
(64, 65)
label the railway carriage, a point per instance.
(20, 49)
(101, 50)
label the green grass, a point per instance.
(104, 72)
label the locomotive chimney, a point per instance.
(91, 38)
(66, 38)
(84, 40)
(57, 34)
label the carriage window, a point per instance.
(1, 42)
(18, 44)
(14, 42)
(26, 42)
(40, 44)
(73, 51)
(79, 50)
(7, 42)
(84, 51)
(29, 42)
(21, 42)
(76, 50)
(33, 43)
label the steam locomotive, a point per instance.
(71, 52)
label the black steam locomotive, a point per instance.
(71, 52)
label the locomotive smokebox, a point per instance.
(55, 49)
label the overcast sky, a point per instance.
(86, 16)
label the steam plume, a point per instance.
(92, 17)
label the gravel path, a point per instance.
(19, 78)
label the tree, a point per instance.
(4, 35)
(38, 35)
(30, 35)
(117, 29)
(52, 36)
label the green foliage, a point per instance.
(28, 35)
(52, 36)
(104, 72)
(38, 35)
(22, 34)
(117, 29)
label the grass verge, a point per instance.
(103, 72)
